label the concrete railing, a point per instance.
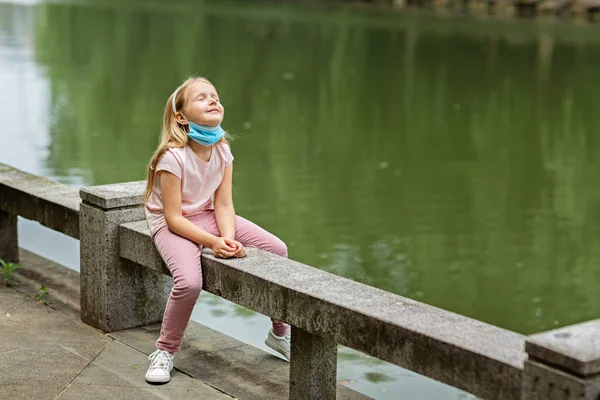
(124, 284)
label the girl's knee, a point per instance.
(279, 248)
(188, 289)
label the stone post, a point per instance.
(116, 294)
(313, 369)
(9, 243)
(563, 364)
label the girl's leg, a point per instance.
(252, 235)
(182, 257)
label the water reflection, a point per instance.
(445, 160)
(377, 377)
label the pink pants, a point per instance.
(182, 257)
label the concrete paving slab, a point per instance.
(62, 283)
(41, 351)
(28, 389)
(19, 307)
(226, 363)
(26, 324)
(48, 354)
(94, 392)
(118, 373)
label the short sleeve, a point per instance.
(168, 162)
(227, 155)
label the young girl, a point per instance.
(189, 205)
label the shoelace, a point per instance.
(160, 359)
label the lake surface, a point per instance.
(450, 160)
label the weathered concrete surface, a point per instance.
(41, 351)
(135, 247)
(118, 373)
(574, 348)
(116, 294)
(62, 283)
(563, 364)
(543, 382)
(115, 195)
(9, 244)
(52, 204)
(313, 371)
(46, 354)
(220, 361)
(227, 364)
(473, 356)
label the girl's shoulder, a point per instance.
(176, 152)
(224, 147)
(173, 155)
(224, 152)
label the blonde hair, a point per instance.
(173, 134)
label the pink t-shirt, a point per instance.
(199, 181)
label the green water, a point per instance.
(449, 160)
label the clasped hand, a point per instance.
(226, 248)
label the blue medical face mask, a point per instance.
(205, 135)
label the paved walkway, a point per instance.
(46, 352)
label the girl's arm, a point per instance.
(224, 211)
(170, 187)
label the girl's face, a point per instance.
(202, 104)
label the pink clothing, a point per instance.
(182, 257)
(199, 181)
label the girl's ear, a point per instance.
(180, 118)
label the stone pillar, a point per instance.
(313, 369)
(116, 294)
(9, 243)
(563, 364)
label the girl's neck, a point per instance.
(204, 152)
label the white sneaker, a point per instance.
(161, 364)
(279, 344)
